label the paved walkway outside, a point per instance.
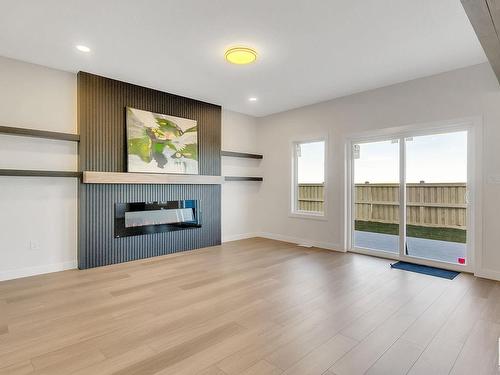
(420, 247)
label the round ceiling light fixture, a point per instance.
(240, 55)
(83, 48)
(252, 99)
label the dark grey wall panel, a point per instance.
(101, 114)
(101, 120)
(101, 248)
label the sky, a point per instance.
(310, 165)
(430, 158)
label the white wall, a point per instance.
(37, 211)
(472, 91)
(240, 198)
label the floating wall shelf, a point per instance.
(91, 177)
(242, 178)
(241, 155)
(38, 173)
(23, 132)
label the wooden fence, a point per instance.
(311, 197)
(428, 204)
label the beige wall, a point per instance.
(471, 91)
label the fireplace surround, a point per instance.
(102, 104)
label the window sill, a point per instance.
(308, 216)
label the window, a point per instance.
(308, 188)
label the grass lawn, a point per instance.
(442, 234)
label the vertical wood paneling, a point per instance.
(101, 120)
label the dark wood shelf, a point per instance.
(242, 178)
(24, 132)
(241, 155)
(38, 173)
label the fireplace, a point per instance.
(134, 219)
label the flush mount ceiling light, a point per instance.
(82, 48)
(252, 99)
(240, 55)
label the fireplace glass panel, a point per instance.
(156, 217)
(138, 218)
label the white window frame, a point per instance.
(293, 212)
(473, 126)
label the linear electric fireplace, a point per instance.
(134, 219)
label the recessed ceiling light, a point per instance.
(252, 99)
(82, 48)
(241, 55)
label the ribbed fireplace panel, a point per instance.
(101, 248)
(101, 120)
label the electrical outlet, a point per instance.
(34, 245)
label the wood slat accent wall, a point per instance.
(101, 120)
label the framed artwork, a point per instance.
(159, 143)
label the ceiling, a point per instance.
(309, 50)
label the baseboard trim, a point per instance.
(237, 237)
(302, 241)
(37, 270)
(488, 274)
(285, 238)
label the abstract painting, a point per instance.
(159, 143)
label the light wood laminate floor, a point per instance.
(251, 307)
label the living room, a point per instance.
(249, 188)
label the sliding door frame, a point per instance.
(474, 182)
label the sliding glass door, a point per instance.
(436, 197)
(409, 196)
(376, 195)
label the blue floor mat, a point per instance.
(426, 270)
